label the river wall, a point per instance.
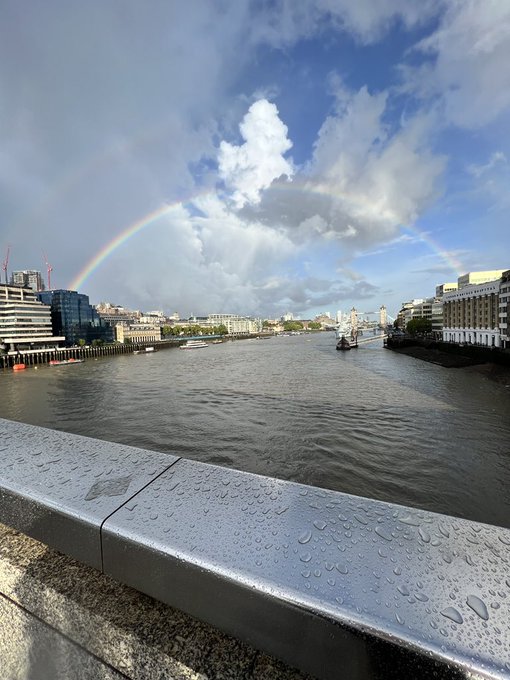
(447, 354)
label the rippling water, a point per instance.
(368, 422)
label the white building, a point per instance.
(471, 314)
(137, 333)
(25, 322)
(236, 324)
(474, 278)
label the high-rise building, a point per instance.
(25, 322)
(29, 278)
(74, 317)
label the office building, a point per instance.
(445, 288)
(474, 278)
(75, 318)
(28, 278)
(25, 322)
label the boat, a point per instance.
(150, 349)
(345, 344)
(65, 362)
(194, 344)
(217, 342)
(18, 367)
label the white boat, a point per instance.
(194, 344)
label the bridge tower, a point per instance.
(383, 317)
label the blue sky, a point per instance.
(315, 155)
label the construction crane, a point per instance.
(5, 263)
(49, 269)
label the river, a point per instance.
(369, 422)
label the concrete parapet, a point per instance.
(335, 585)
(62, 620)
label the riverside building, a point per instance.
(25, 322)
(137, 333)
(74, 317)
(471, 314)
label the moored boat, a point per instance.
(18, 367)
(194, 344)
(344, 344)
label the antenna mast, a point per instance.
(5, 263)
(49, 269)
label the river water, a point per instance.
(369, 422)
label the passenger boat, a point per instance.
(194, 344)
(65, 362)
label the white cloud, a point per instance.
(497, 158)
(469, 72)
(252, 167)
(363, 182)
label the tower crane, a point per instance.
(5, 263)
(49, 269)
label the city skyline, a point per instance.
(256, 159)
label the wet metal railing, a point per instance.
(336, 585)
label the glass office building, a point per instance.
(73, 316)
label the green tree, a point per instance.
(97, 342)
(81, 342)
(419, 326)
(292, 325)
(314, 326)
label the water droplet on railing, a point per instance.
(320, 524)
(382, 533)
(478, 606)
(305, 537)
(452, 614)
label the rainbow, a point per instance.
(154, 216)
(117, 242)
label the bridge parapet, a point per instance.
(320, 579)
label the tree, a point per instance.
(314, 326)
(81, 342)
(292, 325)
(419, 326)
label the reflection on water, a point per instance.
(368, 422)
